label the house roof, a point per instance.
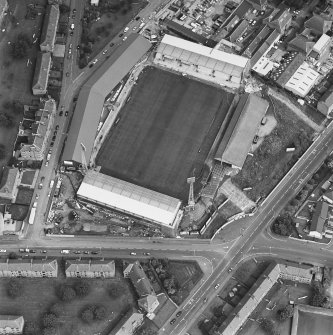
(149, 303)
(28, 265)
(50, 26)
(93, 93)
(291, 68)
(281, 19)
(253, 108)
(329, 194)
(301, 43)
(257, 41)
(319, 217)
(318, 24)
(11, 321)
(239, 12)
(139, 279)
(9, 177)
(128, 324)
(235, 34)
(130, 198)
(90, 266)
(327, 98)
(42, 70)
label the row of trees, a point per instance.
(93, 313)
(67, 293)
(319, 298)
(283, 225)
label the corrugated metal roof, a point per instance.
(92, 95)
(194, 48)
(242, 136)
(124, 196)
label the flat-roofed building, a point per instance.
(90, 269)
(325, 104)
(42, 72)
(318, 220)
(244, 125)
(302, 80)
(129, 323)
(39, 133)
(28, 268)
(93, 93)
(321, 50)
(200, 61)
(49, 30)
(9, 182)
(11, 324)
(129, 198)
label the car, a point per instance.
(69, 56)
(37, 196)
(137, 18)
(54, 138)
(43, 251)
(61, 113)
(71, 33)
(73, 16)
(229, 270)
(74, 10)
(66, 113)
(67, 74)
(47, 163)
(104, 52)
(125, 38)
(78, 47)
(77, 252)
(91, 65)
(51, 144)
(121, 35)
(3, 250)
(32, 251)
(57, 127)
(172, 321)
(126, 29)
(146, 253)
(133, 253)
(111, 45)
(95, 61)
(134, 28)
(72, 26)
(64, 251)
(55, 133)
(216, 286)
(95, 252)
(86, 252)
(178, 313)
(255, 139)
(21, 250)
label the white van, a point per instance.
(126, 29)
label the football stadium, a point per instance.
(171, 127)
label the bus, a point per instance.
(32, 215)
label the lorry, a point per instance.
(32, 215)
(64, 251)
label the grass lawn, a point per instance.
(16, 76)
(228, 210)
(187, 275)
(40, 294)
(310, 323)
(165, 132)
(271, 162)
(24, 196)
(28, 177)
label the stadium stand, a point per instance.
(93, 93)
(200, 61)
(237, 141)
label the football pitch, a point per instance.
(165, 132)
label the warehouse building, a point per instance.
(128, 198)
(243, 126)
(200, 61)
(93, 93)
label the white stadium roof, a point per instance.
(204, 51)
(126, 197)
(302, 80)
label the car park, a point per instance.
(178, 313)
(172, 321)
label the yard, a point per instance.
(16, 75)
(165, 132)
(270, 161)
(40, 294)
(103, 22)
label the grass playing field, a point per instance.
(165, 132)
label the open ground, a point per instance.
(40, 293)
(165, 132)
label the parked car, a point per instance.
(172, 321)
(178, 313)
(43, 251)
(55, 133)
(146, 253)
(229, 270)
(74, 10)
(111, 45)
(255, 139)
(77, 252)
(86, 252)
(133, 253)
(120, 35)
(71, 33)
(104, 52)
(32, 251)
(205, 300)
(67, 74)
(54, 138)
(216, 286)
(51, 144)
(95, 252)
(3, 250)
(64, 251)
(57, 127)
(66, 113)
(61, 113)
(137, 18)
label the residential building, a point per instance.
(148, 300)
(319, 217)
(325, 104)
(8, 226)
(321, 50)
(8, 186)
(28, 268)
(39, 133)
(280, 19)
(318, 24)
(328, 196)
(259, 4)
(3, 9)
(90, 269)
(94, 2)
(11, 324)
(301, 43)
(49, 29)
(42, 71)
(301, 82)
(129, 323)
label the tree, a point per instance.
(100, 313)
(31, 328)
(14, 288)
(286, 313)
(2, 151)
(66, 293)
(56, 309)
(218, 311)
(6, 120)
(319, 299)
(49, 320)
(268, 326)
(64, 8)
(20, 46)
(82, 288)
(87, 315)
(115, 290)
(50, 331)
